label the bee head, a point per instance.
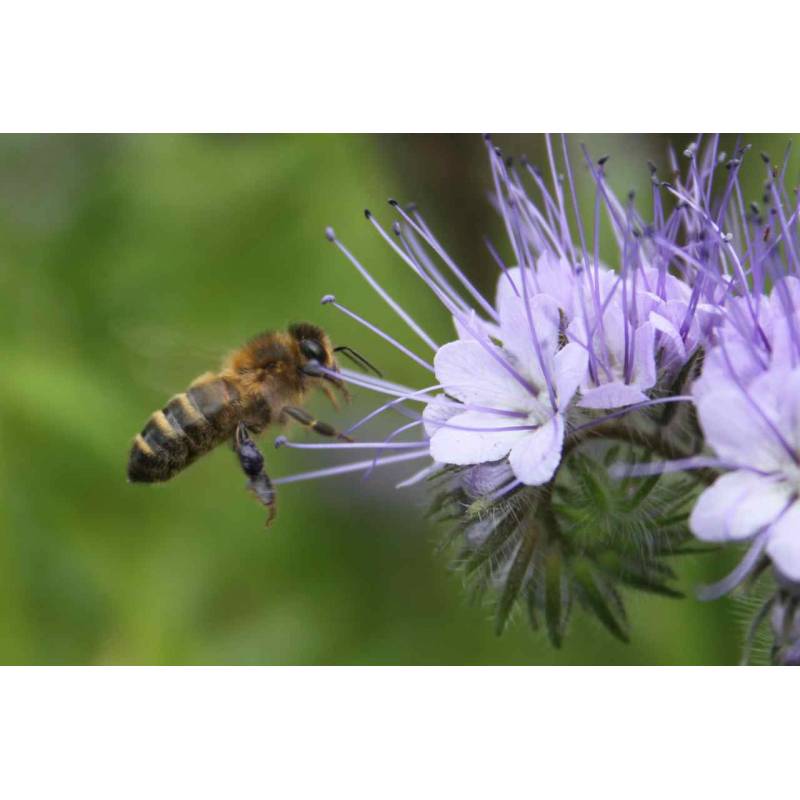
(313, 344)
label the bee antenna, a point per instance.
(357, 358)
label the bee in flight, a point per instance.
(263, 383)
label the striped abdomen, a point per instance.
(190, 425)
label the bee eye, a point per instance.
(311, 348)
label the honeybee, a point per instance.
(261, 384)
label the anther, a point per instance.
(330, 234)
(367, 213)
(601, 162)
(327, 299)
(280, 441)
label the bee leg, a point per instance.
(322, 428)
(328, 392)
(252, 463)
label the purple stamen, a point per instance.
(418, 476)
(428, 237)
(330, 299)
(388, 444)
(343, 469)
(413, 396)
(385, 296)
(745, 566)
(282, 441)
(685, 398)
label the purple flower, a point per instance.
(566, 338)
(748, 402)
(512, 397)
(755, 432)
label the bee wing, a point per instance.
(168, 358)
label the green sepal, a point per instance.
(601, 598)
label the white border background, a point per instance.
(408, 65)
(490, 732)
(402, 66)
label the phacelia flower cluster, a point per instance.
(588, 418)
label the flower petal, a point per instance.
(464, 439)
(783, 546)
(737, 506)
(484, 479)
(643, 373)
(469, 373)
(536, 456)
(475, 327)
(571, 363)
(515, 329)
(439, 410)
(611, 395)
(737, 431)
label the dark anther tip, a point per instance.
(602, 160)
(327, 299)
(765, 158)
(396, 229)
(330, 235)
(280, 441)
(393, 202)
(487, 137)
(367, 213)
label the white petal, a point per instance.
(783, 546)
(789, 407)
(536, 456)
(509, 285)
(439, 410)
(737, 506)
(483, 479)
(515, 329)
(670, 332)
(643, 373)
(469, 373)
(611, 395)
(571, 363)
(463, 444)
(716, 369)
(475, 328)
(738, 433)
(554, 277)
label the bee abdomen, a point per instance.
(191, 424)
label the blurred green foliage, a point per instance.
(130, 264)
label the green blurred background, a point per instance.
(130, 264)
